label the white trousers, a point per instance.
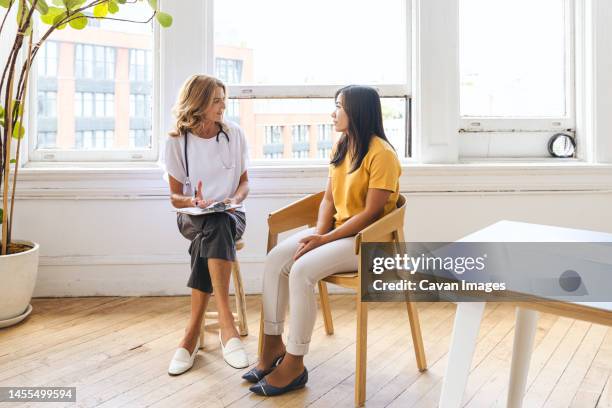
(288, 282)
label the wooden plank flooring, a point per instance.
(116, 352)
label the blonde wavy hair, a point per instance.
(195, 97)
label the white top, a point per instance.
(218, 165)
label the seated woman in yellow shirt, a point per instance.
(362, 187)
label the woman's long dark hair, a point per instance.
(362, 106)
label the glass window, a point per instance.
(273, 134)
(87, 104)
(261, 120)
(141, 65)
(102, 63)
(229, 70)
(509, 70)
(324, 153)
(109, 102)
(324, 132)
(300, 133)
(47, 104)
(308, 35)
(46, 140)
(48, 59)
(99, 105)
(88, 61)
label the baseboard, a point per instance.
(130, 275)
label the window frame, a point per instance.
(72, 155)
(475, 124)
(301, 91)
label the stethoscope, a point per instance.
(188, 186)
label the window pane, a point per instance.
(78, 104)
(88, 104)
(101, 63)
(315, 41)
(290, 128)
(510, 70)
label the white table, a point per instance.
(469, 315)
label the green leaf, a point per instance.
(14, 104)
(121, 1)
(41, 6)
(78, 21)
(153, 4)
(1, 215)
(73, 4)
(1, 111)
(13, 161)
(6, 3)
(18, 131)
(59, 18)
(22, 13)
(101, 10)
(113, 7)
(164, 19)
(50, 15)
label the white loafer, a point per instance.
(182, 361)
(234, 353)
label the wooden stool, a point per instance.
(240, 318)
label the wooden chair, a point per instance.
(240, 317)
(389, 228)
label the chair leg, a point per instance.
(327, 317)
(261, 332)
(417, 338)
(243, 329)
(362, 350)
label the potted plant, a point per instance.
(18, 258)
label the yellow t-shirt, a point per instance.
(380, 169)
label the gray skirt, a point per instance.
(212, 236)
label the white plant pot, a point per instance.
(18, 276)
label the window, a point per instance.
(229, 70)
(296, 87)
(107, 74)
(99, 105)
(324, 133)
(516, 79)
(94, 62)
(300, 133)
(273, 134)
(47, 59)
(324, 153)
(140, 105)
(46, 140)
(140, 138)
(276, 155)
(141, 65)
(47, 104)
(300, 154)
(94, 139)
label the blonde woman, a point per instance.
(206, 160)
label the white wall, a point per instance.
(107, 237)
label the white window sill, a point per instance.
(145, 180)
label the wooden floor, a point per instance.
(116, 352)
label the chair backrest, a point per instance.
(387, 229)
(401, 201)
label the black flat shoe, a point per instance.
(267, 390)
(254, 375)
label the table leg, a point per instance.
(524, 333)
(463, 343)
